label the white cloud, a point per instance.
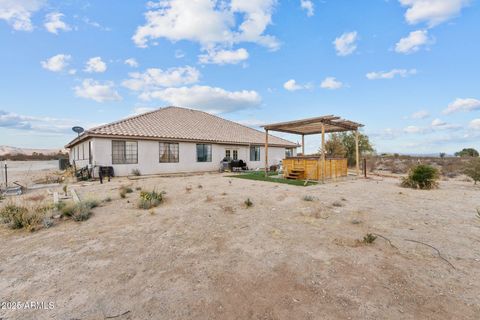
(292, 85)
(438, 123)
(94, 90)
(131, 62)
(18, 13)
(53, 23)
(210, 23)
(56, 63)
(391, 74)
(155, 78)
(140, 110)
(12, 120)
(413, 42)
(224, 56)
(308, 6)
(95, 24)
(95, 64)
(435, 126)
(467, 105)
(433, 12)
(413, 129)
(345, 44)
(254, 123)
(422, 114)
(331, 83)
(474, 124)
(210, 99)
(179, 54)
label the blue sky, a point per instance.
(407, 69)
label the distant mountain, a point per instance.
(26, 151)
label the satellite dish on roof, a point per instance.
(78, 130)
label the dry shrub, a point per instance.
(77, 211)
(421, 177)
(151, 199)
(23, 217)
(229, 210)
(473, 170)
(38, 197)
(124, 190)
(248, 203)
(369, 238)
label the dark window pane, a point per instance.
(124, 152)
(255, 153)
(204, 152)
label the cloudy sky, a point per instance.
(408, 69)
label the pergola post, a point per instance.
(323, 153)
(357, 154)
(266, 152)
(303, 145)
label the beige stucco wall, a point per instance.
(148, 157)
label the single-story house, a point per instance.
(174, 140)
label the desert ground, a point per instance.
(202, 254)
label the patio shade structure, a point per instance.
(317, 125)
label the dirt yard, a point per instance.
(203, 255)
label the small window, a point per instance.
(255, 153)
(228, 155)
(168, 152)
(235, 154)
(124, 152)
(204, 153)
(288, 152)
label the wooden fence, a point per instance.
(311, 167)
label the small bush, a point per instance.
(308, 198)
(337, 204)
(151, 199)
(107, 199)
(473, 170)
(60, 205)
(369, 238)
(248, 203)
(138, 188)
(92, 203)
(82, 212)
(421, 177)
(47, 222)
(79, 211)
(67, 210)
(18, 217)
(124, 190)
(136, 172)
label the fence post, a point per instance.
(365, 167)
(6, 176)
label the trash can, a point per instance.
(63, 163)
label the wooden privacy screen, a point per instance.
(311, 168)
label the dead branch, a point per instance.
(385, 238)
(438, 251)
(118, 315)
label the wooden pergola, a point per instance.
(317, 125)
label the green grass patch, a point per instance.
(260, 176)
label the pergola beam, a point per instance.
(318, 125)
